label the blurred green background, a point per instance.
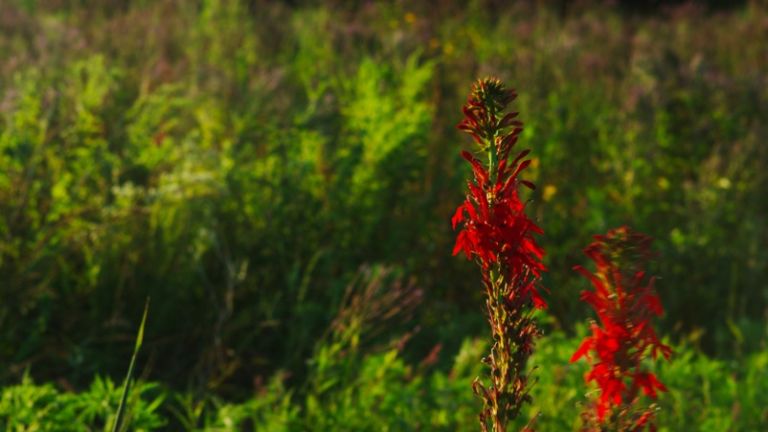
(279, 177)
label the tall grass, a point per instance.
(128, 382)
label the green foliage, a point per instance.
(240, 161)
(705, 394)
(28, 407)
(271, 411)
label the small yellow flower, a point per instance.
(410, 18)
(663, 183)
(549, 192)
(724, 183)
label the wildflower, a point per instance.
(625, 302)
(500, 237)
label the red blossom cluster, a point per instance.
(496, 229)
(625, 302)
(498, 234)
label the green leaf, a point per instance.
(121, 409)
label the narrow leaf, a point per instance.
(121, 409)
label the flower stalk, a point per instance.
(625, 302)
(498, 235)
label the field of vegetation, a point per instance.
(279, 178)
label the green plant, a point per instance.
(28, 407)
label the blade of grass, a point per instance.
(127, 384)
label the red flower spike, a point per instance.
(625, 302)
(497, 234)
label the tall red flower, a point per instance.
(625, 303)
(500, 237)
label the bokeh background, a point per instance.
(279, 178)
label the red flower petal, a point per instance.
(583, 349)
(458, 216)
